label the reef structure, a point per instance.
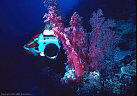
(84, 54)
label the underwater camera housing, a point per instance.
(48, 44)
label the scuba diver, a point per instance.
(50, 50)
(52, 62)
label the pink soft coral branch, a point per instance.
(59, 31)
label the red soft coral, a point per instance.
(69, 46)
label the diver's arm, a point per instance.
(31, 50)
(31, 47)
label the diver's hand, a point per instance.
(33, 51)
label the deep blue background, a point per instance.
(22, 19)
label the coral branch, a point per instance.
(59, 31)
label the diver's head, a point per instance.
(48, 30)
(48, 26)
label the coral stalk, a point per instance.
(59, 32)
